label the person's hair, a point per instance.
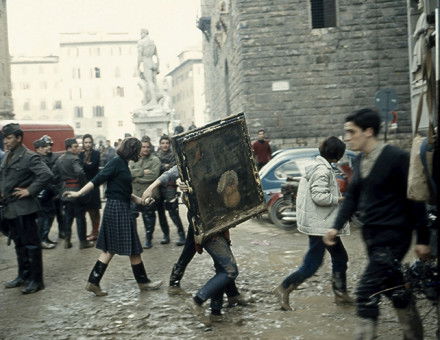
(129, 149)
(69, 142)
(87, 135)
(165, 138)
(365, 118)
(145, 139)
(261, 130)
(332, 148)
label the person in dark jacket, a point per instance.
(50, 160)
(70, 175)
(218, 247)
(118, 234)
(261, 149)
(168, 199)
(90, 160)
(23, 175)
(45, 197)
(378, 193)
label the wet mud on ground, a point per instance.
(265, 255)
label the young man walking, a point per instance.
(378, 193)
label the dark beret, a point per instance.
(11, 128)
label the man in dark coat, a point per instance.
(90, 160)
(377, 192)
(50, 160)
(168, 194)
(22, 176)
(70, 175)
(45, 197)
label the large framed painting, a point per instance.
(216, 162)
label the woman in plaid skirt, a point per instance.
(118, 234)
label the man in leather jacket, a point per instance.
(70, 175)
(23, 175)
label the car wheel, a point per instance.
(275, 213)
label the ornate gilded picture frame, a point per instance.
(216, 163)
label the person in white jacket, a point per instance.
(317, 204)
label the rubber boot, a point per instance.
(366, 329)
(176, 275)
(283, 296)
(182, 239)
(142, 279)
(36, 270)
(23, 268)
(95, 277)
(410, 322)
(339, 285)
(239, 300)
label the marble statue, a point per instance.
(148, 67)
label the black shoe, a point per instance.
(165, 240)
(176, 276)
(85, 244)
(32, 287)
(148, 245)
(62, 236)
(181, 240)
(17, 282)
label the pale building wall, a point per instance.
(37, 89)
(114, 57)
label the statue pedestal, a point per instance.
(151, 122)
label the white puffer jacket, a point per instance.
(317, 200)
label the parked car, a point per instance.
(279, 181)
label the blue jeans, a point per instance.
(225, 268)
(313, 260)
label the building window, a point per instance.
(78, 112)
(120, 123)
(57, 105)
(119, 91)
(26, 105)
(25, 86)
(98, 111)
(78, 125)
(43, 105)
(323, 13)
(97, 72)
(117, 72)
(99, 124)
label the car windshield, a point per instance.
(294, 168)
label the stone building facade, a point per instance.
(5, 72)
(297, 67)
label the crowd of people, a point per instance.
(139, 181)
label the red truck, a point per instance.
(34, 130)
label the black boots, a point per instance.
(95, 277)
(35, 282)
(85, 244)
(181, 240)
(166, 239)
(176, 275)
(339, 285)
(23, 268)
(143, 281)
(148, 244)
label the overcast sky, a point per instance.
(34, 24)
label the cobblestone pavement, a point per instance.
(265, 254)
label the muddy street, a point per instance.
(265, 254)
